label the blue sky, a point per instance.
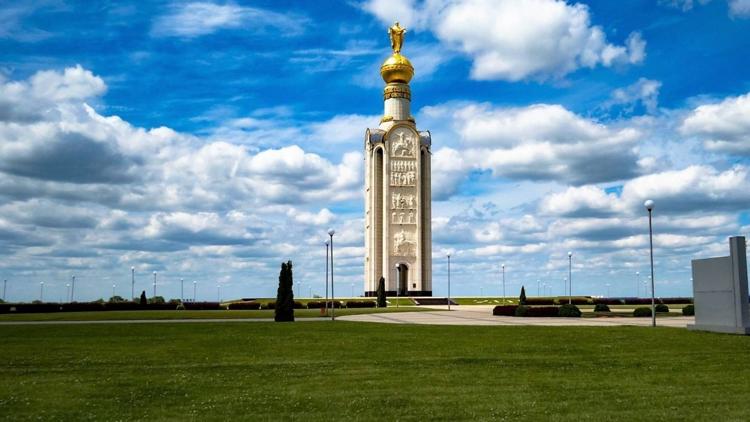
(211, 140)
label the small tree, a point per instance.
(381, 293)
(116, 298)
(284, 310)
(143, 301)
(522, 298)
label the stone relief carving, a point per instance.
(401, 165)
(403, 144)
(403, 201)
(403, 217)
(403, 178)
(404, 244)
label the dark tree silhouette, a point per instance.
(284, 310)
(522, 298)
(381, 293)
(143, 300)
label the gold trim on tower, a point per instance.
(396, 90)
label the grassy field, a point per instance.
(131, 315)
(356, 371)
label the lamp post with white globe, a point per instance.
(570, 278)
(398, 281)
(331, 232)
(649, 204)
(132, 283)
(325, 305)
(195, 283)
(154, 283)
(503, 267)
(449, 280)
(637, 283)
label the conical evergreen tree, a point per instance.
(522, 298)
(381, 293)
(143, 301)
(284, 310)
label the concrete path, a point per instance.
(482, 315)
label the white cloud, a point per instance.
(643, 92)
(510, 40)
(724, 126)
(537, 142)
(739, 8)
(201, 18)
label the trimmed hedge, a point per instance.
(660, 307)
(688, 310)
(569, 311)
(601, 307)
(537, 311)
(251, 306)
(316, 304)
(203, 306)
(574, 301)
(539, 301)
(608, 301)
(642, 312)
(361, 304)
(504, 310)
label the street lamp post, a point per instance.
(503, 266)
(154, 283)
(538, 287)
(352, 289)
(182, 290)
(72, 287)
(398, 281)
(218, 292)
(67, 291)
(41, 291)
(113, 290)
(649, 204)
(325, 305)
(5, 287)
(331, 232)
(132, 283)
(570, 278)
(449, 281)
(194, 286)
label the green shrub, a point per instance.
(689, 310)
(642, 312)
(601, 307)
(156, 300)
(245, 305)
(569, 311)
(660, 307)
(505, 310)
(522, 310)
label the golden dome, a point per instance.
(397, 68)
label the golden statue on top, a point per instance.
(396, 32)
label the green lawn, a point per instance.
(357, 371)
(130, 315)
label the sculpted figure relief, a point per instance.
(403, 244)
(403, 201)
(403, 145)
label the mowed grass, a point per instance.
(167, 315)
(358, 371)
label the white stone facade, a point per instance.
(398, 201)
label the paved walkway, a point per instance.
(482, 315)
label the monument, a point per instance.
(720, 291)
(398, 234)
